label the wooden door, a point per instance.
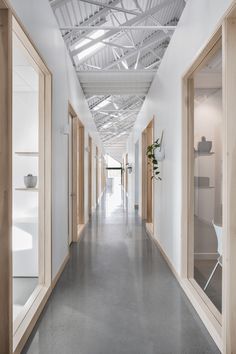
(90, 146)
(147, 182)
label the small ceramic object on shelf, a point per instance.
(30, 181)
(204, 146)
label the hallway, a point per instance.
(117, 295)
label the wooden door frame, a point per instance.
(6, 330)
(202, 303)
(96, 157)
(71, 115)
(223, 333)
(80, 173)
(77, 173)
(147, 182)
(144, 175)
(126, 173)
(90, 174)
(12, 339)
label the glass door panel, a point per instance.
(25, 160)
(206, 246)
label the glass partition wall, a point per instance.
(25, 188)
(31, 182)
(205, 242)
(25, 168)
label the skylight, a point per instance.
(101, 105)
(125, 65)
(95, 35)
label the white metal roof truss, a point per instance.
(116, 47)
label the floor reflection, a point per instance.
(117, 295)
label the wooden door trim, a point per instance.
(6, 180)
(8, 342)
(90, 175)
(206, 310)
(77, 173)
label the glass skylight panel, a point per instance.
(101, 105)
(95, 35)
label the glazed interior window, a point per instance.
(25, 159)
(207, 246)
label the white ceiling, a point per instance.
(116, 47)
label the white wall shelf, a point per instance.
(27, 153)
(197, 153)
(27, 189)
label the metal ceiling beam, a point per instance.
(115, 45)
(99, 15)
(143, 47)
(117, 73)
(118, 110)
(108, 6)
(118, 28)
(133, 21)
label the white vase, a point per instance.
(30, 181)
(159, 154)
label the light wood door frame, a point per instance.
(126, 173)
(90, 174)
(229, 166)
(6, 180)
(73, 219)
(223, 333)
(206, 309)
(12, 338)
(147, 182)
(77, 173)
(80, 174)
(70, 176)
(31, 311)
(97, 175)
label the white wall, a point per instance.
(39, 21)
(198, 22)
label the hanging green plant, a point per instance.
(152, 159)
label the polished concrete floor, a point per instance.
(118, 296)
